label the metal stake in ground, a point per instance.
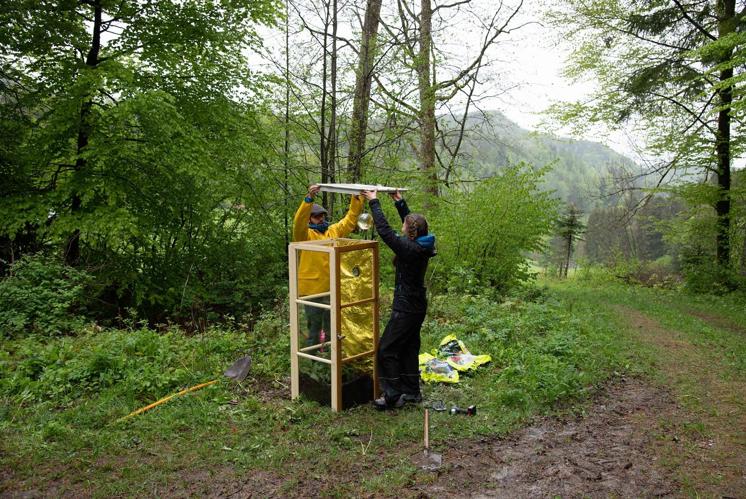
(432, 461)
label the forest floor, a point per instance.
(636, 438)
(672, 423)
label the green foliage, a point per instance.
(43, 296)
(485, 234)
(59, 397)
(135, 365)
(672, 73)
(659, 273)
(148, 149)
(541, 351)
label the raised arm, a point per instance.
(300, 220)
(399, 245)
(401, 205)
(347, 224)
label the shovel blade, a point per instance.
(239, 369)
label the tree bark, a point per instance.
(726, 25)
(567, 255)
(363, 81)
(427, 101)
(743, 253)
(72, 246)
(332, 138)
(286, 145)
(323, 147)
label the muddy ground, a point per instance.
(605, 452)
(605, 449)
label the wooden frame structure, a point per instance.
(335, 248)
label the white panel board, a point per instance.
(356, 188)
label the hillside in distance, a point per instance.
(579, 168)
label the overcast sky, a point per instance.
(529, 61)
(534, 58)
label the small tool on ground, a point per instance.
(469, 411)
(436, 405)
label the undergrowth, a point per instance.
(62, 396)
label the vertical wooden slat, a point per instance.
(376, 320)
(335, 283)
(293, 287)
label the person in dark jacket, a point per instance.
(398, 366)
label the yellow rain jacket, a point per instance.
(313, 270)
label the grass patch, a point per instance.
(694, 346)
(704, 320)
(62, 396)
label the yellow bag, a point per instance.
(436, 370)
(452, 357)
(467, 361)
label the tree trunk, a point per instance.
(569, 252)
(726, 26)
(743, 252)
(286, 145)
(323, 151)
(427, 101)
(363, 80)
(72, 246)
(332, 137)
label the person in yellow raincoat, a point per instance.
(310, 224)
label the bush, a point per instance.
(135, 364)
(485, 234)
(656, 274)
(43, 296)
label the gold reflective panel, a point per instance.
(356, 284)
(356, 279)
(357, 329)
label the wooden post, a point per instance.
(376, 321)
(293, 305)
(335, 333)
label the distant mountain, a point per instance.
(579, 167)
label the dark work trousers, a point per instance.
(317, 319)
(398, 366)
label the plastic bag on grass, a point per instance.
(436, 370)
(467, 361)
(452, 357)
(450, 345)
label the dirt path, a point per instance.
(606, 452)
(708, 455)
(636, 439)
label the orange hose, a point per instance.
(166, 399)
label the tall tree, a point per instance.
(426, 153)
(667, 68)
(439, 79)
(363, 82)
(139, 120)
(569, 228)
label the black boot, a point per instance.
(382, 405)
(412, 399)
